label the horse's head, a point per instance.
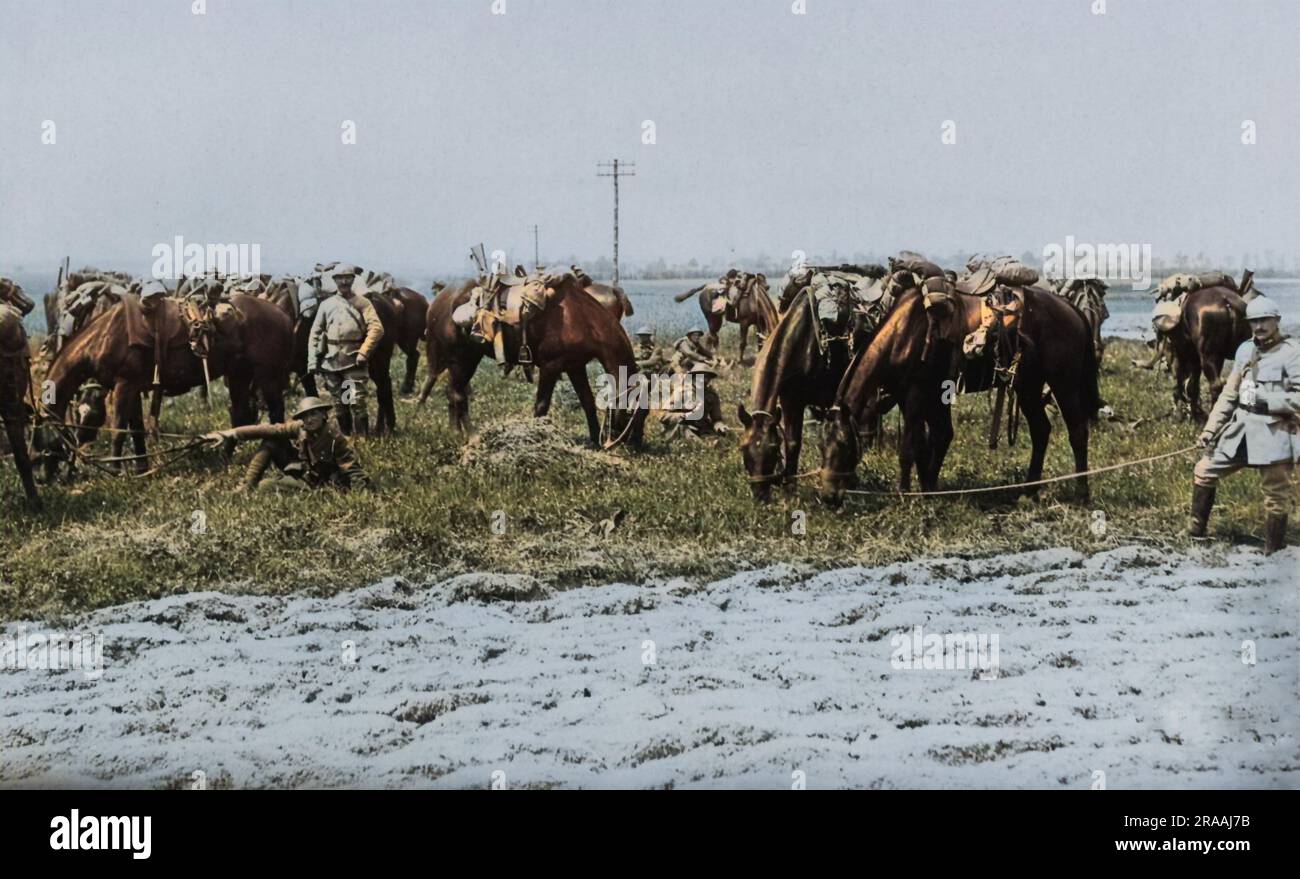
(13, 294)
(841, 451)
(762, 448)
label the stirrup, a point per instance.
(525, 357)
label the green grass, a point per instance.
(683, 509)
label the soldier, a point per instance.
(1254, 424)
(309, 451)
(343, 336)
(649, 359)
(691, 349)
(695, 406)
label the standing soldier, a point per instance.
(1254, 424)
(309, 451)
(343, 335)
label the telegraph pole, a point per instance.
(535, 260)
(616, 169)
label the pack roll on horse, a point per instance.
(1017, 338)
(15, 382)
(547, 316)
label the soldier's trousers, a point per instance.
(1279, 489)
(348, 389)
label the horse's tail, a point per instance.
(682, 297)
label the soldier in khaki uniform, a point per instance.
(1254, 424)
(344, 334)
(691, 349)
(697, 412)
(649, 359)
(309, 451)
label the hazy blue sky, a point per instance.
(774, 131)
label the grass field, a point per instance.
(573, 517)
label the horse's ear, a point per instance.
(743, 414)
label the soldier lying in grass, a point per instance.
(309, 451)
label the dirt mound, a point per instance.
(533, 445)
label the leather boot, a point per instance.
(256, 468)
(343, 415)
(1202, 503)
(1274, 534)
(361, 423)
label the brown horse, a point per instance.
(738, 297)
(800, 365)
(410, 331)
(250, 347)
(1209, 331)
(15, 381)
(572, 330)
(914, 353)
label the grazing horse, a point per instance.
(914, 353)
(250, 347)
(1209, 330)
(800, 365)
(737, 297)
(15, 381)
(569, 332)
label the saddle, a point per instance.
(509, 300)
(168, 322)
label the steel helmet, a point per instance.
(309, 404)
(703, 369)
(645, 331)
(1260, 307)
(152, 289)
(693, 330)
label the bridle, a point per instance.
(777, 475)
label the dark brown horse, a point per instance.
(249, 346)
(738, 297)
(571, 331)
(15, 381)
(410, 331)
(1210, 329)
(800, 365)
(915, 352)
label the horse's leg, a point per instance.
(1212, 366)
(547, 376)
(1030, 395)
(122, 392)
(1193, 372)
(578, 378)
(458, 377)
(273, 393)
(16, 431)
(1076, 423)
(241, 393)
(912, 444)
(412, 364)
(137, 432)
(715, 329)
(1180, 386)
(792, 427)
(744, 340)
(385, 414)
(939, 426)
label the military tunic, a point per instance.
(1265, 435)
(310, 458)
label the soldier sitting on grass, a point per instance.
(309, 451)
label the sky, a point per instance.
(773, 131)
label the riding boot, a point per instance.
(1202, 503)
(1274, 534)
(256, 468)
